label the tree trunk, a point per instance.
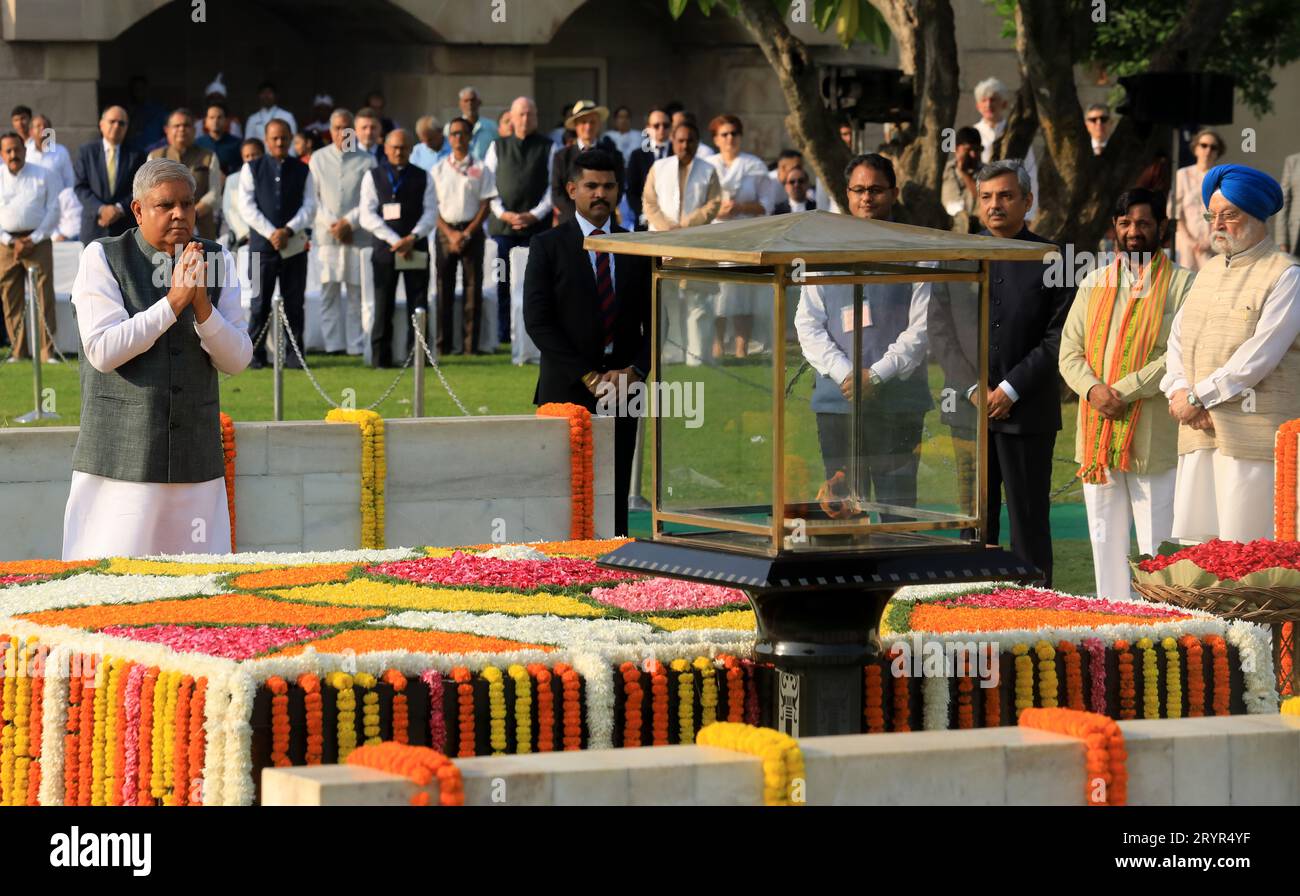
(1088, 183)
(810, 123)
(927, 51)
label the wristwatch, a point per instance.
(1193, 400)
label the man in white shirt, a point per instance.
(1232, 372)
(43, 150)
(278, 201)
(236, 227)
(338, 172)
(269, 111)
(993, 99)
(433, 145)
(399, 206)
(894, 392)
(465, 188)
(29, 213)
(148, 472)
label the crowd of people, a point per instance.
(1210, 329)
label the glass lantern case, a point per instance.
(814, 425)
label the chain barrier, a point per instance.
(419, 337)
(293, 342)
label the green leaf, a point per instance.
(677, 7)
(873, 28)
(824, 13)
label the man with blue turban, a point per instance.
(1233, 366)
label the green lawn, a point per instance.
(734, 450)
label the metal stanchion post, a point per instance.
(34, 343)
(418, 334)
(277, 378)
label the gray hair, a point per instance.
(159, 171)
(990, 86)
(340, 112)
(465, 91)
(1005, 166)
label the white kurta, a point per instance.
(744, 180)
(1219, 496)
(113, 518)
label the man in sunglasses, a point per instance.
(797, 195)
(656, 145)
(1097, 120)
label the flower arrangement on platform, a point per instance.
(195, 673)
(583, 507)
(229, 453)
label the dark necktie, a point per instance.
(604, 291)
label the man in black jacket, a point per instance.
(1026, 316)
(657, 145)
(585, 119)
(589, 312)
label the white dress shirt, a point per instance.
(587, 228)
(542, 210)
(828, 348)
(1254, 359)
(230, 208)
(989, 133)
(373, 221)
(29, 200)
(253, 216)
(55, 159)
(462, 186)
(109, 517)
(257, 122)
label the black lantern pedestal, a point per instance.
(819, 613)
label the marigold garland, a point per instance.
(658, 704)
(401, 713)
(902, 699)
(1291, 706)
(420, 765)
(197, 743)
(156, 739)
(369, 708)
(279, 689)
(10, 687)
(545, 707)
(114, 742)
(1195, 676)
(874, 700)
(465, 711)
(523, 708)
(374, 471)
(437, 721)
(86, 745)
(1173, 680)
(1219, 651)
(229, 453)
(1150, 682)
(1284, 477)
(144, 776)
(496, 709)
(35, 725)
(965, 713)
(313, 704)
(99, 722)
(1106, 758)
(1024, 678)
(582, 506)
(170, 711)
(685, 701)
(345, 701)
(570, 685)
(71, 736)
(783, 765)
(1127, 686)
(1048, 685)
(181, 759)
(632, 703)
(1073, 675)
(735, 675)
(708, 690)
(1096, 673)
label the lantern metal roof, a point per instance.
(817, 237)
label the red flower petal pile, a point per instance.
(474, 569)
(1232, 559)
(1037, 599)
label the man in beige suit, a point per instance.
(1286, 225)
(1113, 355)
(203, 164)
(1233, 367)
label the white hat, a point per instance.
(323, 99)
(216, 86)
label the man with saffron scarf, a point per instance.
(1113, 356)
(1233, 368)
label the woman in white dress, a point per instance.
(1193, 245)
(746, 193)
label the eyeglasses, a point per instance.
(873, 192)
(1226, 217)
(1093, 119)
(1213, 146)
